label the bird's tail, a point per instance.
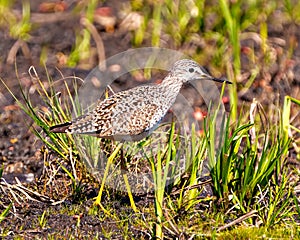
(60, 128)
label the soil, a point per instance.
(20, 150)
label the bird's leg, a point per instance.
(123, 162)
(108, 164)
(123, 170)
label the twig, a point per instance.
(42, 18)
(15, 48)
(14, 189)
(240, 219)
(192, 187)
(98, 40)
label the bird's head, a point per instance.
(189, 70)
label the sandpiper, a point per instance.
(133, 114)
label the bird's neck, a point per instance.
(171, 86)
(172, 83)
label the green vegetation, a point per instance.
(248, 190)
(82, 48)
(246, 162)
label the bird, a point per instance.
(133, 114)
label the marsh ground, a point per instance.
(20, 150)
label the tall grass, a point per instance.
(54, 108)
(232, 15)
(246, 161)
(249, 171)
(82, 47)
(167, 171)
(18, 28)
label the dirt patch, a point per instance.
(20, 150)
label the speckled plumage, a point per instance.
(132, 114)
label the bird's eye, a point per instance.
(191, 70)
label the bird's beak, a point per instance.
(208, 77)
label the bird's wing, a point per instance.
(142, 119)
(123, 114)
(128, 123)
(126, 113)
(95, 121)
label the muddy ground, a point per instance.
(20, 150)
